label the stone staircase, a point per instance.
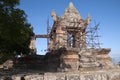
(88, 59)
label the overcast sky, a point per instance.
(107, 12)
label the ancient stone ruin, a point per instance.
(71, 54)
(67, 44)
(67, 47)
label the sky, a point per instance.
(105, 12)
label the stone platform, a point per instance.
(109, 74)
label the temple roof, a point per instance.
(71, 12)
(71, 17)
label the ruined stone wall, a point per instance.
(100, 75)
(29, 62)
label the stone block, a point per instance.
(73, 77)
(49, 76)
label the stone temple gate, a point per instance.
(67, 45)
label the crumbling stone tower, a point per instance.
(68, 30)
(67, 38)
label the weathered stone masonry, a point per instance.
(67, 46)
(67, 49)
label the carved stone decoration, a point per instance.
(54, 15)
(88, 19)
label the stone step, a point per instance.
(87, 60)
(90, 64)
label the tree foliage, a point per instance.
(15, 31)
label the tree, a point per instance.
(15, 31)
